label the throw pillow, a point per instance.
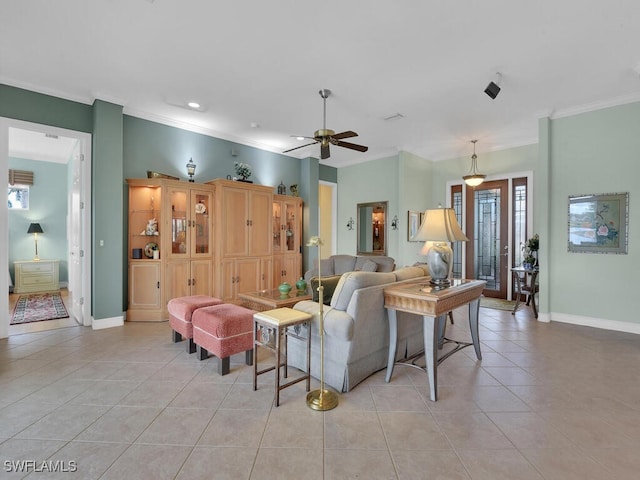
(329, 284)
(369, 266)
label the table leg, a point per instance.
(255, 356)
(518, 293)
(430, 327)
(474, 308)
(393, 342)
(277, 372)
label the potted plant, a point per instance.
(530, 251)
(243, 170)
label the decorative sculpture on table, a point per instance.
(321, 399)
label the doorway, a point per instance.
(19, 140)
(487, 229)
(496, 217)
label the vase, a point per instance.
(301, 284)
(284, 288)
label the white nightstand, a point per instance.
(36, 276)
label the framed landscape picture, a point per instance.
(598, 223)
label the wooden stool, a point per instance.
(268, 329)
(223, 330)
(180, 312)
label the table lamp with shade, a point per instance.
(438, 229)
(35, 228)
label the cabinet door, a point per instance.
(277, 227)
(177, 279)
(144, 285)
(247, 275)
(260, 227)
(266, 273)
(234, 222)
(201, 231)
(201, 279)
(227, 282)
(291, 265)
(179, 222)
(292, 226)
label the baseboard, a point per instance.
(601, 323)
(99, 324)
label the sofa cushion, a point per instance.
(351, 281)
(329, 284)
(326, 267)
(343, 263)
(406, 273)
(369, 266)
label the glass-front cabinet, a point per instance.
(170, 244)
(191, 234)
(286, 224)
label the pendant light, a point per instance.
(474, 178)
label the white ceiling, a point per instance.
(256, 66)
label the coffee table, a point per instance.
(272, 299)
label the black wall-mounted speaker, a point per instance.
(492, 90)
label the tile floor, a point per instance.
(548, 401)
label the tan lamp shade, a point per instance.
(438, 228)
(440, 225)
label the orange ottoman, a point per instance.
(180, 314)
(223, 330)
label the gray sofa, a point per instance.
(339, 264)
(356, 329)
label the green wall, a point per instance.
(374, 181)
(153, 146)
(595, 152)
(108, 212)
(48, 203)
(34, 107)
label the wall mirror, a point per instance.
(372, 228)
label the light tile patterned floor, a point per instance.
(548, 401)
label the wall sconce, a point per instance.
(191, 169)
(394, 222)
(350, 223)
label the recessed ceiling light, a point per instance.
(300, 138)
(194, 105)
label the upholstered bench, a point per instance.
(180, 314)
(223, 330)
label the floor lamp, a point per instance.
(321, 399)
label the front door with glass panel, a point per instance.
(487, 225)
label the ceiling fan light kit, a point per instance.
(326, 137)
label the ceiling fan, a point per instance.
(326, 137)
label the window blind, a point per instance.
(20, 177)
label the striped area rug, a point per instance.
(37, 307)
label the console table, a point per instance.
(432, 304)
(36, 276)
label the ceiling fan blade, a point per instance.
(324, 151)
(301, 146)
(347, 134)
(352, 146)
